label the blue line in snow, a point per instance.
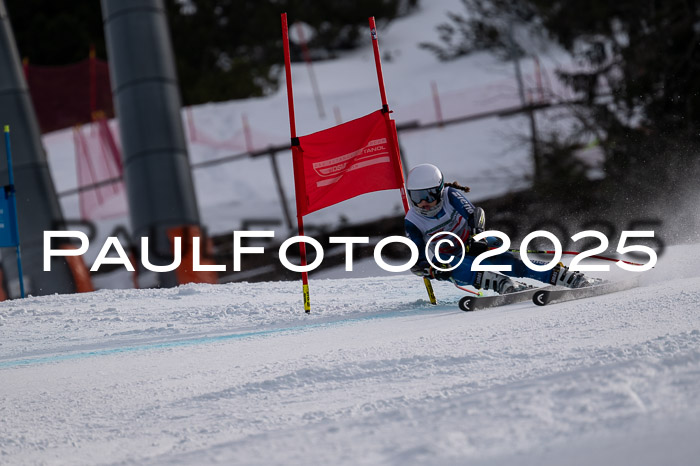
(196, 341)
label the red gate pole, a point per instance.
(297, 163)
(393, 142)
(385, 110)
(93, 82)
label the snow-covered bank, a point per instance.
(238, 374)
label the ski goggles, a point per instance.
(428, 195)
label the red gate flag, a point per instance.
(357, 157)
(345, 161)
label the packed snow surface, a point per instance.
(238, 374)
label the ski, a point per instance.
(560, 295)
(474, 303)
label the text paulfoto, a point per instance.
(449, 262)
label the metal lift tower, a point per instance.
(147, 101)
(37, 204)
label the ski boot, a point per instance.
(562, 276)
(501, 284)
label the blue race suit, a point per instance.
(457, 216)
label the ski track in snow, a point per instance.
(236, 373)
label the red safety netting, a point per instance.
(246, 139)
(98, 161)
(68, 95)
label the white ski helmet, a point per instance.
(425, 182)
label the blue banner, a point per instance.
(8, 230)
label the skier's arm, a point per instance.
(475, 219)
(465, 208)
(421, 268)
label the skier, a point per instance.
(437, 208)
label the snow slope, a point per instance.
(237, 374)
